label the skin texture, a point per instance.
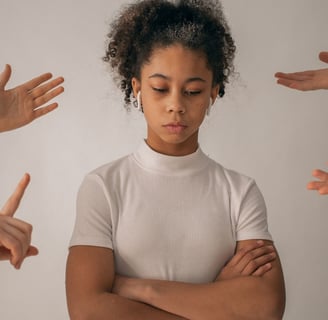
(306, 81)
(25, 103)
(231, 296)
(320, 185)
(15, 234)
(171, 95)
(179, 84)
(20, 106)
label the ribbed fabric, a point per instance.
(173, 218)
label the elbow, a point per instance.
(80, 310)
(79, 314)
(274, 307)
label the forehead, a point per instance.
(177, 60)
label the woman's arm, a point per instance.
(89, 278)
(234, 295)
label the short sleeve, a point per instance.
(252, 218)
(93, 225)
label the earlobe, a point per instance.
(208, 111)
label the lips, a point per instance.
(175, 127)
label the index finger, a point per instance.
(320, 174)
(31, 84)
(299, 76)
(13, 202)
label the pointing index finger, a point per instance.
(13, 202)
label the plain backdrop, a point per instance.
(276, 135)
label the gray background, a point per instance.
(268, 132)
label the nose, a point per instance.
(176, 105)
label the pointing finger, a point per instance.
(13, 202)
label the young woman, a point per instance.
(166, 232)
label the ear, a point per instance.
(215, 92)
(136, 86)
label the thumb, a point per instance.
(323, 56)
(5, 76)
(32, 251)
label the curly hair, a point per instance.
(149, 24)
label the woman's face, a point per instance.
(176, 89)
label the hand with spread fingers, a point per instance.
(306, 80)
(15, 234)
(25, 103)
(320, 185)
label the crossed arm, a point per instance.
(250, 286)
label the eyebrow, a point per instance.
(162, 76)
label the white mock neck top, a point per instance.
(166, 217)
(151, 160)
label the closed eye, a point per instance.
(192, 93)
(159, 89)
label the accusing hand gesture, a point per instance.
(15, 234)
(25, 103)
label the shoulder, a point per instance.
(110, 169)
(236, 182)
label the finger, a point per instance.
(13, 202)
(32, 251)
(298, 76)
(320, 174)
(254, 264)
(253, 259)
(323, 56)
(5, 76)
(14, 243)
(324, 189)
(262, 270)
(31, 84)
(297, 85)
(47, 96)
(41, 90)
(315, 185)
(240, 254)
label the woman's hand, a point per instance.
(320, 185)
(23, 104)
(253, 260)
(15, 234)
(306, 80)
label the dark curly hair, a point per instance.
(145, 25)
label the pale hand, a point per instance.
(306, 80)
(320, 185)
(15, 235)
(253, 260)
(25, 103)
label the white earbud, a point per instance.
(137, 103)
(208, 111)
(139, 106)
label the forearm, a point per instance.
(239, 298)
(108, 306)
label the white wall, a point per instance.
(268, 132)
